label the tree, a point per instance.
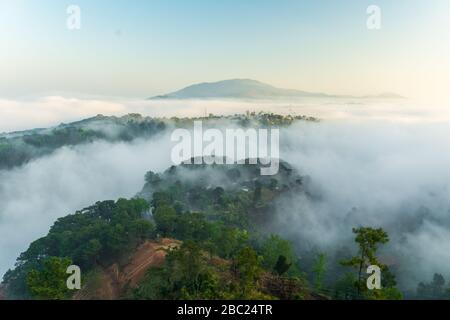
(433, 290)
(319, 269)
(140, 230)
(282, 266)
(152, 178)
(165, 218)
(273, 184)
(257, 193)
(274, 247)
(345, 289)
(185, 274)
(100, 234)
(368, 240)
(229, 240)
(49, 283)
(192, 226)
(91, 250)
(248, 265)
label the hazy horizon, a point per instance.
(51, 111)
(151, 48)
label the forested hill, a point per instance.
(18, 148)
(215, 215)
(195, 232)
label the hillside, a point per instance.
(194, 232)
(219, 252)
(118, 282)
(113, 282)
(19, 148)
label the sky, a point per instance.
(143, 48)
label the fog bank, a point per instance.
(393, 176)
(53, 110)
(34, 196)
(372, 164)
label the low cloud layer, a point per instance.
(51, 111)
(393, 176)
(34, 196)
(370, 164)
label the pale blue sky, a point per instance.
(144, 47)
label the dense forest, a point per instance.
(18, 148)
(224, 251)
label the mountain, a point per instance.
(238, 89)
(202, 232)
(18, 148)
(251, 89)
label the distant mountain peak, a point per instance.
(249, 89)
(235, 88)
